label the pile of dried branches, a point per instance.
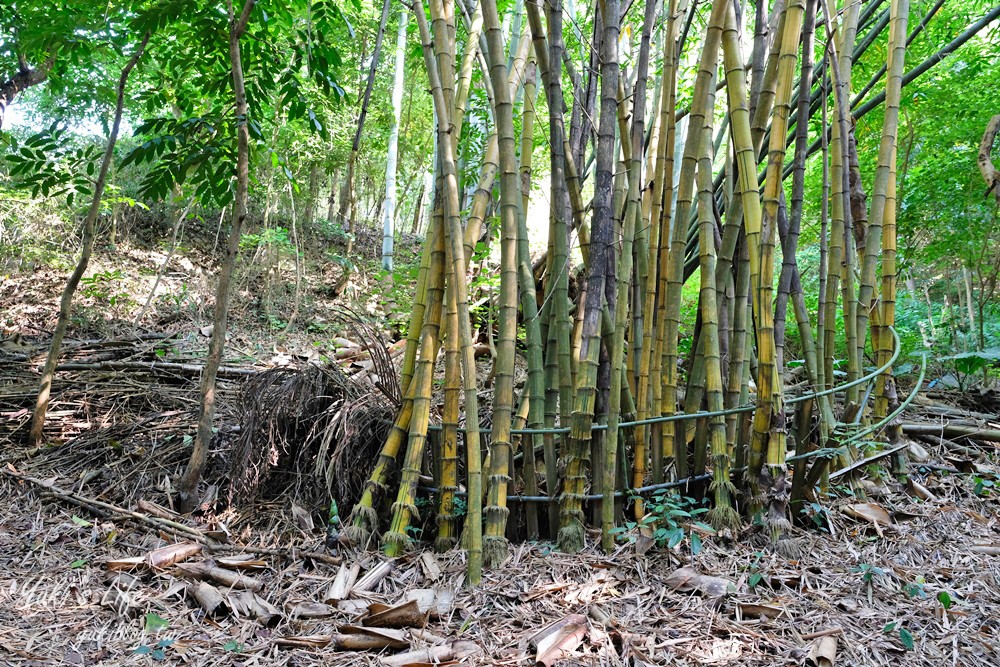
(314, 431)
(121, 415)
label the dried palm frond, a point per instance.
(314, 431)
(384, 369)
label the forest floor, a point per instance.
(906, 578)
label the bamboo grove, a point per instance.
(653, 194)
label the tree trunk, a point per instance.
(388, 219)
(348, 203)
(312, 197)
(89, 231)
(188, 485)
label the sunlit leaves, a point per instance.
(52, 163)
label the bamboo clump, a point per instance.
(687, 192)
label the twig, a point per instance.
(871, 459)
(92, 504)
(104, 509)
(823, 633)
(953, 430)
(224, 371)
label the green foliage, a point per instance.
(915, 589)
(756, 575)
(815, 512)
(97, 286)
(967, 364)
(53, 163)
(157, 651)
(671, 520)
(275, 238)
(905, 636)
(233, 646)
(983, 487)
(868, 572)
(152, 622)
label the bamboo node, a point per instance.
(397, 541)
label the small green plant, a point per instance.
(756, 576)
(233, 646)
(274, 323)
(868, 572)
(983, 487)
(945, 599)
(102, 287)
(157, 651)
(905, 636)
(275, 237)
(152, 623)
(968, 364)
(671, 518)
(180, 301)
(915, 589)
(458, 506)
(817, 514)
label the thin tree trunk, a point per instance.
(35, 436)
(348, 200)
(178, 226)
(297, 249)
(188, 485)
(312, 196)
(331, 202)
(388, 224)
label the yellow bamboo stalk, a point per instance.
(701, 107)
(448, 483)
(456, 259)
(769, 389)
(648, 391)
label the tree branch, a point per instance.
(986, 168)
(25, 78)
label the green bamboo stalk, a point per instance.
(649, 390)
(624, 277)
(447, 520)
(495, 546)
(454, 247)
(529, 307)
(769, 383)
(743, 146)
(571, 533)
(702, 98)
(396, 540)
(364, 519)
(886, 155)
